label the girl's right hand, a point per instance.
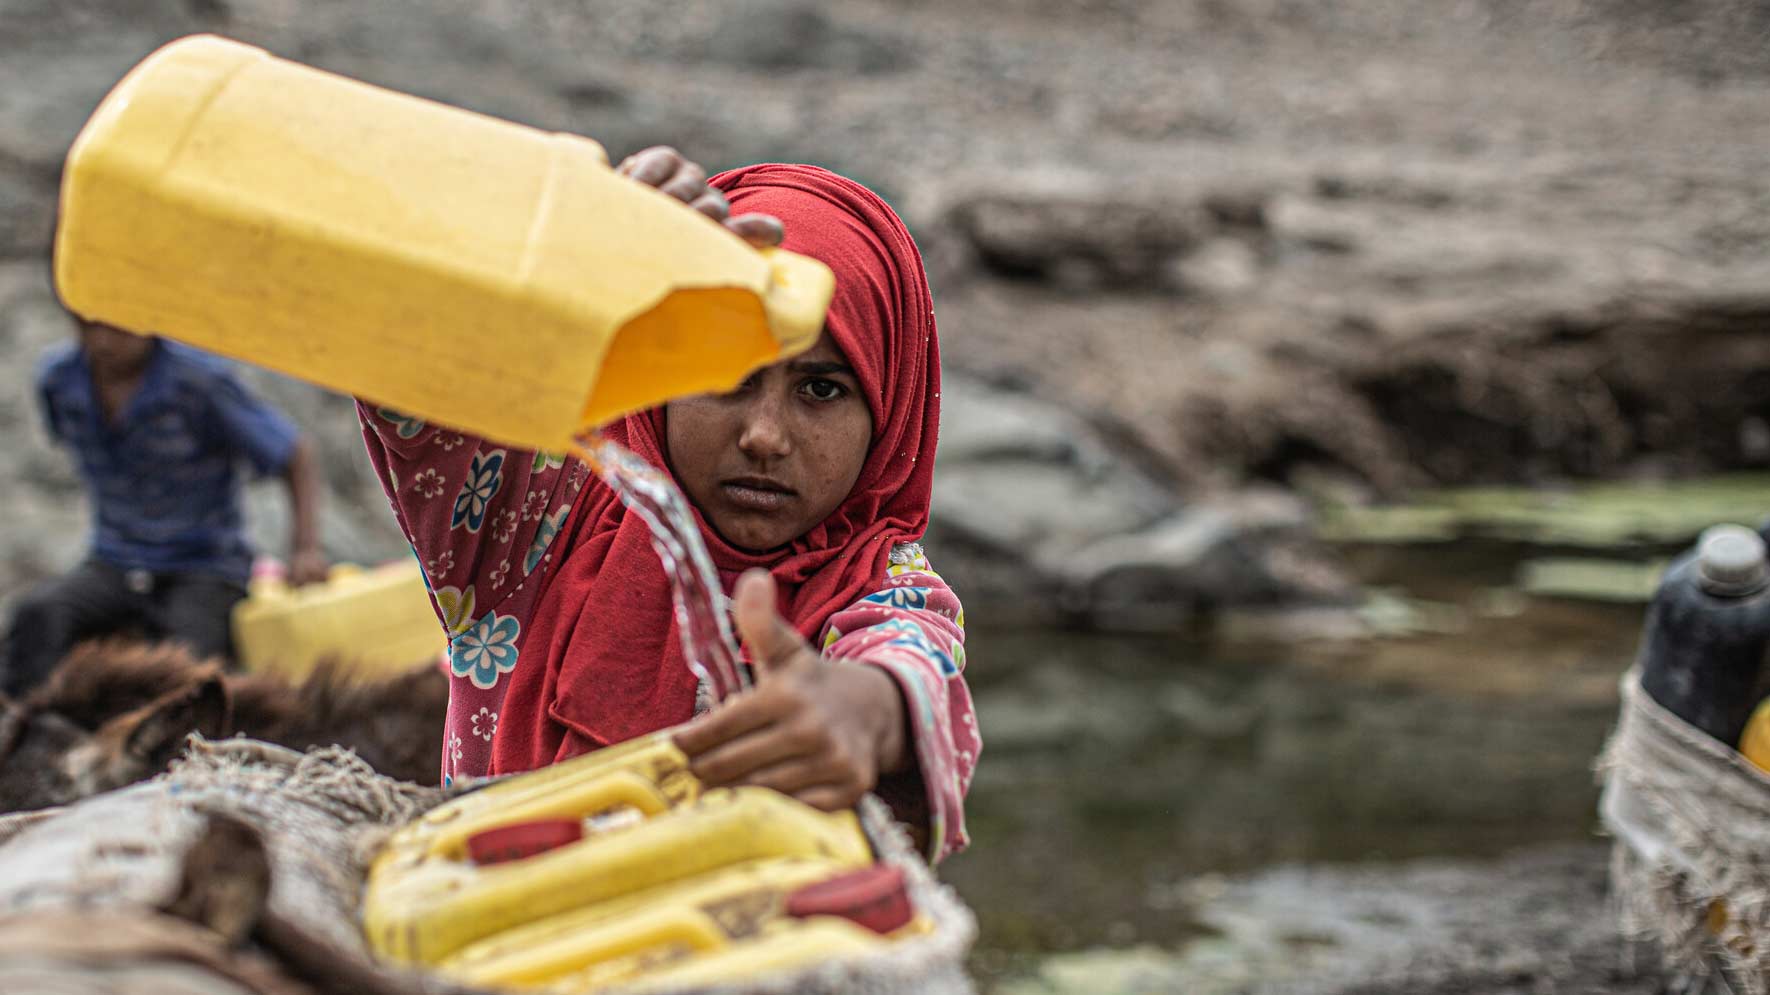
(822, 731)
(666, 169)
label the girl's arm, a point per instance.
(914, 630)
(481, 519)
(479, 516)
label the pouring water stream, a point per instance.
(705, 628)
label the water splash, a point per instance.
(648, 492)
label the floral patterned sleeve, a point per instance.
(914, 629)
(481, 519)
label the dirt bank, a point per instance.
(1256, 241)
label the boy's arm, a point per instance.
(307, 563)
(253, 428)
(46, 380)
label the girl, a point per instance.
(811, 483)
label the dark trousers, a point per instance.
(97, 600)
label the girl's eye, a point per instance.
(820, 389)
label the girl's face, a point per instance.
(770, 460)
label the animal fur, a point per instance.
(115, 712)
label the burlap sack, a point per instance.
(322, 815)
(1691, 866)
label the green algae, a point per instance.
(1592, 516)
(1591, 579)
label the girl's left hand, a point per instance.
(667, 169)
(822, 731)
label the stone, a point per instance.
(1222, 267)
(1083, 239)
(785, 35)
(1025, 483)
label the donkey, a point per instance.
(115, 712)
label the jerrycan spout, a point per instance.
(669, 343)
(456, 267)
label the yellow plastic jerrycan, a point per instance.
(635, 820)
(374, 622)
(781, 945)
(456, 267)
(612, 939)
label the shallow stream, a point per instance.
(1124, 774)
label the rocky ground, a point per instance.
(1253, 246)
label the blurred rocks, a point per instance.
(1042, 515)
(1081, 234)
(1217, 248)
(784, 35)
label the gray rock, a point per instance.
(796, 34)
(1222, 267)
(1079, 242)
(27, 212)
(1030, 490)
(1035, 506)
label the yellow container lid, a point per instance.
(457, 267)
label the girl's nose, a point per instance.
(764, 436)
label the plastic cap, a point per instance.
(1730, 559)
(522, 840)
(873, 897)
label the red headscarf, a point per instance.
(602, 662)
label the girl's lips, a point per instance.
(756, 495)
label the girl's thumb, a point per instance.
(772, 643)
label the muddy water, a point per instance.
(1121, 771)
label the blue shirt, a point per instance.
(164, 478)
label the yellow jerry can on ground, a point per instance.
(375, 622)
(616, 869)
(456, 267)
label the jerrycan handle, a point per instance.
(522, 840)
(617, 789)
(874, 897)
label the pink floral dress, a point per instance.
(482, 520)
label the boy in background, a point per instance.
(159, 432)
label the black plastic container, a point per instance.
(1703, 648)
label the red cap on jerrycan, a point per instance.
(874, 897)
(522, 840)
